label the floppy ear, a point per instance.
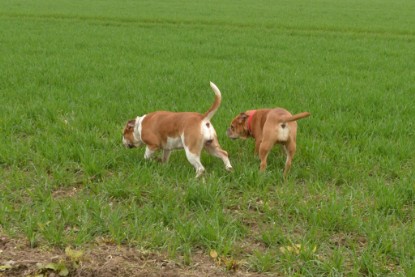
(242, 117)
(131, 124)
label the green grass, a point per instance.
(72, 73)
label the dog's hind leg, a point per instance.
(166, 156)
(194, 159)
(289, 148)
(213, 148)
(267, 142)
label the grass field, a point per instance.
(72, 73)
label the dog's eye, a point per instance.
(232, 127)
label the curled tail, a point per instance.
(297, 116)
(218, 98)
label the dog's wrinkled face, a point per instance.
(238, 128)
(129, 139)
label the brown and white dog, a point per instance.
(163, 130)
(268, 127)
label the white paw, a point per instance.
(199, 172)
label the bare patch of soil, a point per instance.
(65, 192)
(101, 259)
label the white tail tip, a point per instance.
(215, 88)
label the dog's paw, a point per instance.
(199, 173)
(229, 168)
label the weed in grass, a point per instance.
(334, 216)
(263, 262)
(367, 265)
(409, 269)
(30, 231)
(204, 196)
(335, 266)
(273, 237)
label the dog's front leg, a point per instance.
(264, 150)
(149, 152)
(257, 144)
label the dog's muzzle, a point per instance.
(230, 134)
(126, 143)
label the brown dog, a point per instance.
(174, 130)
(268, 127)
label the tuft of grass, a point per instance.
(262, 262)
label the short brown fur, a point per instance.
(189, 130)
(268, 127)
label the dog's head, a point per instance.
(131, 134)
(238, 128)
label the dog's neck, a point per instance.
(137, 128)
(249, 121)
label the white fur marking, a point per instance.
(195, 161)
(218, 94)
(283, 132)
(173, 143)
(148, 153)
(207, 130)
(288, 154)
(124, 141)
(228, 165)
(137, 130)
(215, 89)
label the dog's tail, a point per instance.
(218, 98)
(297, 116)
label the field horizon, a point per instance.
(72, 74)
